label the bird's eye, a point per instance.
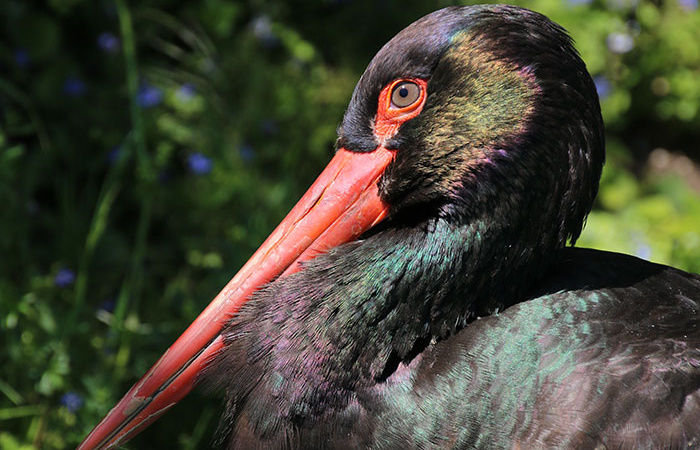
(405, 94)
(399, 101)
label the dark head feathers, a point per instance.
(517, 108)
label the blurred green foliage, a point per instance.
(147, 149)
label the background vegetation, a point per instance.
(147, 148)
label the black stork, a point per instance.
(425, 292)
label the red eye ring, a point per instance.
(389, 116)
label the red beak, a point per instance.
(341, 205)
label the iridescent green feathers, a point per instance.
(606, 354)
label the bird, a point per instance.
(426, 292)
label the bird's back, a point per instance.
(605, 354)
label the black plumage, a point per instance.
(464, 321)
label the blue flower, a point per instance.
(21, 58)
(108, 42)
(247, 152)
(74, 87)
(199, 164)
(72, 400)
(602, 86)
(689, 5)
(620, 42)
(149, 96)
(268, 126)
(186, 92)
(64, 277)
(262, 29)
(107, 305)
(643, 251)
(114, 154)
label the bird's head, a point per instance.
(503, 119)
(472, 115)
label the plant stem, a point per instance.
(131, 286)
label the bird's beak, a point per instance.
(341, 205)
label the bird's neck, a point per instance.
(368, 305)
(307, 342)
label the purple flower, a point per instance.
(149, 96)
(602, 86)
(643, 251)
(114, 154)
(72, 400)
(64, 277)
(107, 305)
(74, 87)
(247, 152)
(199, 164)
(688, 5)
(268, 126)
(21, 58)
(186, 92)
(262, 29)
(620, 42)
(108, 42)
